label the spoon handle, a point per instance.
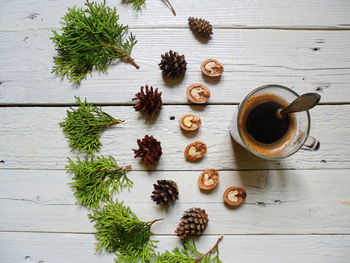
(302, 103)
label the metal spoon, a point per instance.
(302, 103)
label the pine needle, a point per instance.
(91, 38)
(82, 126)
(120, 231)
(96, 180)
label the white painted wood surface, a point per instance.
(58, 248)
(35, 140)
(278, 202)
(299, 212)
(307, 61)
(21, 15)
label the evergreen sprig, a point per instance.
(120, 231)
(189, 254)
(96, 180)
(91, 38)
(137, 4)
(82, 126)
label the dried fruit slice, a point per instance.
(212, 68)
(195, 151)
(234, 196)
(198, 93)
(190, 122)
(208, 179)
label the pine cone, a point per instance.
(193, 223)
(150, 150)
(165, 192)
(200, 26)
(149, 101)
(172, 64)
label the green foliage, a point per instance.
(95, 181)
(82, 126)
(136, 3)
(91, 38)
(189, 254)
(120, 231)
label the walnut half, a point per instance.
(195, 151)
(212, 68)
(198, 93)
(208, 179)
(190, 122)
(234, 196)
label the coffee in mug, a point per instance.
(258, 129)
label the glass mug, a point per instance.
(295, 138)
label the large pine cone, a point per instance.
(172, 64)
(150, 150)
(193, 223)
(149, 101)
(200, 26)
(165, 192)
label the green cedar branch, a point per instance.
(189, 254)
(90, 39)
(137, 4)
(96, 180)
(82, 126)
(120, 231)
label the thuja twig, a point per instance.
(128, 57)
(170, 6)
(210, 250)
(96, 180)
(128, 167)
(90, 39)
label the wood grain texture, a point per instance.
(72, 248)
(21, 14)
(278, 202)
(32, 139)
(307, 61)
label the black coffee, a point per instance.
(264, 126)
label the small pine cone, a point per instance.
(200, 26)
(149, 101)
(150, 150)
(165, 192)
(193, 223)
(172, 64)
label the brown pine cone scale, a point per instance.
(149, 100)
(150, 150)
(165, 192)
(200, 26)
(172, 64)
(193, 223)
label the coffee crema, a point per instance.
(260, 128)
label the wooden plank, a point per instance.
(278, 202)
(307, 61)
(229, 13)
(69, 248)
(32, 139)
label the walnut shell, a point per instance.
(195, 151)
(212, 68)
(234, 196)
(198, 93)
(208, 179)
(190, 122)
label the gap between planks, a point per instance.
(174, 235)
(44, 105)
(233, 27)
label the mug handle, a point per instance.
(311, 144)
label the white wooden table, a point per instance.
(297, 210)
